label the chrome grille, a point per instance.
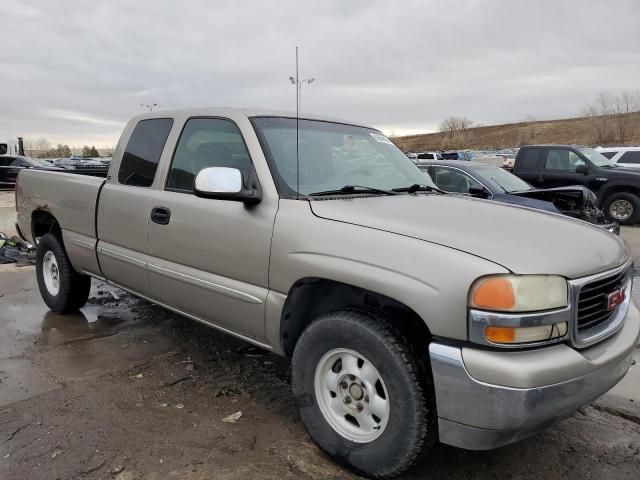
(593, 300)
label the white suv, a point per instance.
(623, 156)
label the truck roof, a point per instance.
(247, 112)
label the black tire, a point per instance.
(630, 199)
(73, 287)
(411, 426)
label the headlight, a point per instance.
(518, 310)
(519, 293)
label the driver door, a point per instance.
(559, 166)
(209, 258)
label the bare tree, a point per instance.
(37, 147)
(600, 112)
(452, 125)
(624, 104)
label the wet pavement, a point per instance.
(129, 390)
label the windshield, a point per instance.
(332, 155)
(596, 157)
(502, 179)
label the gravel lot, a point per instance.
(128, 390)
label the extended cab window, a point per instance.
(562, 159)
(203, 143)
(141, 157)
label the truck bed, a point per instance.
(69, 197)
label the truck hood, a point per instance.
(520, 239)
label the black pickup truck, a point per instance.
(617, 188)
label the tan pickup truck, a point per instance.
(411, 316)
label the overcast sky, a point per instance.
(75, 71)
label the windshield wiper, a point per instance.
(348, 189)
(417, 187)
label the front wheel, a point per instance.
(363, 394)
(622, 207)
(62, 288)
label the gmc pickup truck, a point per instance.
(410, 315)
(617, 188)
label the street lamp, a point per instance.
(298, 83)
(150, 106)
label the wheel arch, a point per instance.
(311, 297)
(43, 221)
(620, 188)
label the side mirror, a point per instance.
(223, 183)
(478, 191)
(584, 169)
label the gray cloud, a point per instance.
(75, 71)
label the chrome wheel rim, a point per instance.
(621, 209)
(51, 273)
(351, 395)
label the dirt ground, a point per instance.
(126, 390)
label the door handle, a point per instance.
(160, 215)
(541, 178)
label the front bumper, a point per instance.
(486, 399)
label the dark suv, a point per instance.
(618, 188)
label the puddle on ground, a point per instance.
(26, 320)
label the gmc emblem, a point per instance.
(616, 298)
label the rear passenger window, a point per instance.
(203, 143)
(141, 157)
(529, 160)
(609, 155)
(630, 157)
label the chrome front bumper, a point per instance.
(486, 399)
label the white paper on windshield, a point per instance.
(381, 138)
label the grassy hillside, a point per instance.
(571, 130)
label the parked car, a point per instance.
(494, 183)
(617, 188)
(411, 315)
(10, 166)
(422, 156)
(623, 156)
(456, 155)
(88, 166)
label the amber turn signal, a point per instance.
(494, 294)
(500, 334)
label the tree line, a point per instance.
(42, 148)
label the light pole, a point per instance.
(150, 106)
(298, 83)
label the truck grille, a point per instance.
(593, 300)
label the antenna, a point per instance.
(297, 128)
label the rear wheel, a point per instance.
(623, 207)
(364, 395)
(62, 288)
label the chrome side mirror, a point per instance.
(224, 183)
